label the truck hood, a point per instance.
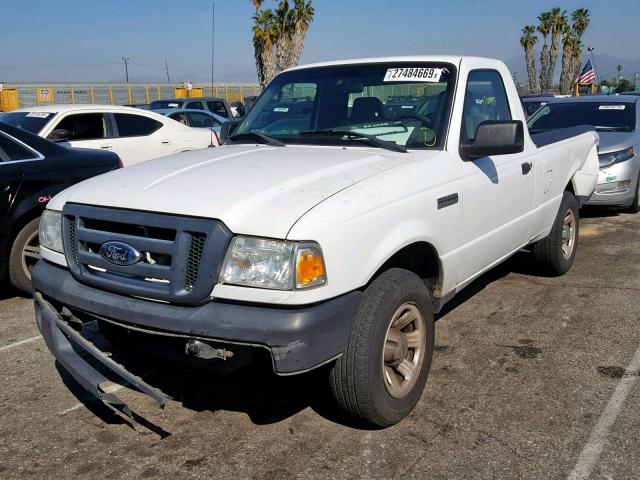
(254, 190)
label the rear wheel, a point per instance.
(555, 253)
(25, 253)
(381, 376)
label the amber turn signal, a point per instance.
(310, 270)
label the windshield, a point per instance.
(165, 104)
(30, 121)
(604, 116)
(404, 103)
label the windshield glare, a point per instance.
(405, 103)
(604, 116)
(32, 122)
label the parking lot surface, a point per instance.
(533, 377)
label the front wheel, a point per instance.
(556, 252)
(380, 378)
(25, 253)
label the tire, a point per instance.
(555, 253)
(25, 252)
(362, 379)
(635, 205)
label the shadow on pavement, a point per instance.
(255, 390)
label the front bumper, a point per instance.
(298, 339)
(611, 189)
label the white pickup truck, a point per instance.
(344, 210)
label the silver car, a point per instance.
(617, 121)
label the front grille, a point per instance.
(179, 261)
(193, 260)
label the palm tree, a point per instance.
(572, 49)
(303, 16)
(264, 37)
(278, 37)
(570, 44)
(528, 40)
(285, 25)
(580, 19)
(559, 25)
(544, 27)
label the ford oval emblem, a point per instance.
(120, 253)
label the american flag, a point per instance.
(588, 74)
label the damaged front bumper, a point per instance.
(299, 339)
(58, 335)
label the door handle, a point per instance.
(105, 147)
(526, 167)
(165, 142)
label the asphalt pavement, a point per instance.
(533, 377)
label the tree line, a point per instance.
(564, 31)
(279, 35)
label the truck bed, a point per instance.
(552, 136)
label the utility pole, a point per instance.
(166, 67)
(213, 27)
(126, 67)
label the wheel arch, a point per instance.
(419, 257)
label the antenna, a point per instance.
(166, 67)
(213, 27)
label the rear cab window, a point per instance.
(130, 125)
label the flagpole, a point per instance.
(593, 62)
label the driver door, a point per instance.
(498, 191)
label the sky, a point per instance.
(83, 40)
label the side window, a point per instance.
(218, 107)
(195, 105)
(485, 99)
(84, 126)
(180, 117)
(10, 150)
(202, 120)
(130, 125)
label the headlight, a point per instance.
(607, 159)
(273, 264)
(51, 230)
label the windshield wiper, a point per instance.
(258, 137)
(360, 137)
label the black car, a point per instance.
(32, 171)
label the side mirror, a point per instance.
(59, 135)
(495, 137)
(227, 130)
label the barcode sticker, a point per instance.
(612, 107)
(417, 74)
